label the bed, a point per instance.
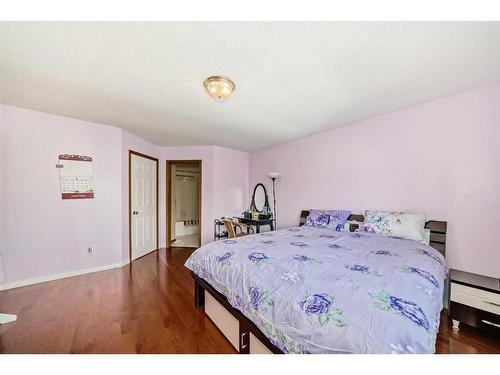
(311, 290)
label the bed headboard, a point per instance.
(437, 228)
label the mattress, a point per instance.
(313, 290)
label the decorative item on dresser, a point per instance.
(475, 301)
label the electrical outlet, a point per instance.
(90, 251)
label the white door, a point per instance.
(143, 205)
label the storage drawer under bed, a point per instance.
(225, 321)
(239, 336)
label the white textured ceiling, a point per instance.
(292, 79)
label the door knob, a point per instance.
(135, 213)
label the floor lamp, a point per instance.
(273, 176)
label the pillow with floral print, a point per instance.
(346, 227)
(318, 218)
(331, 219)
(397, 224)
(369, 228)
(375, 221)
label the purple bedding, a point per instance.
(313, 290)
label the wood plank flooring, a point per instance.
(146, 307)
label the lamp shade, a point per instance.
(273, 174)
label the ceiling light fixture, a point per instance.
(219, 87)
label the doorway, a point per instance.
(143, 204)
(183, 203)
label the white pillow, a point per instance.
(398, 224)
(427, 236)
(406, 225)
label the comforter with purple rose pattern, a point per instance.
(313, 290)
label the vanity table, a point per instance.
(256, 223)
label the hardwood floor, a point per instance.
(146, 307)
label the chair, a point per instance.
(233, 226)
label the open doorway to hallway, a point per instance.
(184, 203)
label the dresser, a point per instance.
(475, 301)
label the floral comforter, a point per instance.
(312, 290)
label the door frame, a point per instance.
(130, 153)
(168, 202)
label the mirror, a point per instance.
(260, 200)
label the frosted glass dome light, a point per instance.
(219, 87)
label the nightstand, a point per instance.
(475, 301)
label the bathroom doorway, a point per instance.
(184, 203)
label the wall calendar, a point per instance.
(76, 176)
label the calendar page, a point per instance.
(76, 176)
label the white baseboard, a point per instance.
(37, 280)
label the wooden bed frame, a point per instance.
(243, 334)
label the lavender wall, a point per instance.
(231, 190)
(441, 158)
(42, 234)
